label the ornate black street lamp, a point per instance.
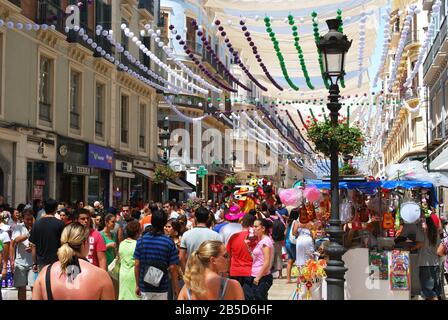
(334, 46)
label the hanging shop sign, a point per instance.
(99, 157)
(76, 169)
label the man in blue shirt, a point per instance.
(155, 253)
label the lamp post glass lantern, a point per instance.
(334, 46)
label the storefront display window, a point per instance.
(38, 180)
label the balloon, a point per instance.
(291, 197)
(312, 194)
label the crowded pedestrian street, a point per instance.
(246, 151)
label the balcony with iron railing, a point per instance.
(99, 129)
(16, 2)
(74, 120)
(45, 111)
(51, 14)
(147, 5)
(187, 101)
(435, 47)
(411, 39)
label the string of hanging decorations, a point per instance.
(154, 35)
(169, 102)
(121, 66)
(401, 45)
(361, 47)
(281, 59)
(128, 33)
(257, 55)
(237, 58)
(189, 51)
(213, 54)
(295, 34)
(386, 42)
(317, 40)
(341, 30)
(424, 48)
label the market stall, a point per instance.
(380, 221)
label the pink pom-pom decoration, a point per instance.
(291, 197)
(312, 194)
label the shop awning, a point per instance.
(183, 184)
(123, 174)
(145, 172)
(173, 186)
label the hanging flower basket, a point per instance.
(348, 139)
(230, 181)
(163, 173)
(348, 170)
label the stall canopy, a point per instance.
(362, 186)
(370, 187)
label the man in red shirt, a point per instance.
(241, 260)
(97, 251)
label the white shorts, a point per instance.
(23, 276)
(154, 295)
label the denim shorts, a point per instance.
(291, 250)
(430, 281)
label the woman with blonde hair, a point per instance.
(202, 275)
(72, 277)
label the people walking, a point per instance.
(203, 280)
(126, 279)
(262, 256)
(20, 257)
(240, 258)
(192, 239)
(72, 277)
(155, 255)
(45, 237)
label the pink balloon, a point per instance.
(312, 194)
(290, 197)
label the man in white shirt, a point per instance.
(168, 208)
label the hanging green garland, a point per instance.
(317, 39)
(341, 30)
(280, 57)
(299, 50)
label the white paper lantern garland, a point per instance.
(137, 63)
(401, 45)
(160, 63)
(386, 43)
(181, 65)
(121, 66)
(431, 30)
(362, 44)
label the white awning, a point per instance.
(144, 172)
(174, 186)
(123, 174)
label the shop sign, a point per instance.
(75, 169)
(99, 157)
(123, 166)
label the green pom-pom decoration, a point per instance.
(339, 12)
(291, 23)
(269, 30)
(314, 14)
(294, 28)
(290, 17)
(266, 19)
(272, 34)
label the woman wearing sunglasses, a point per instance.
(202, 275)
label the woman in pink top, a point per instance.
(262, 256)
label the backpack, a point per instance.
(278, 230)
